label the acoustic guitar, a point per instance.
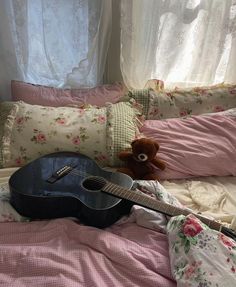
(68, 184)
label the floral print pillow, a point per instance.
(32, 131)
(199, 256)
(193, 101)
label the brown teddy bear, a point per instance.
(141, 160)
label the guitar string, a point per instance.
(100, 180)
(96, 179)
(78, 172)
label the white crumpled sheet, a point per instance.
(214, 197)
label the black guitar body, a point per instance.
(40, 190)
(68, 184)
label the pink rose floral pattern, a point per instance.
(22, 159)
(36, 131)
(60, 121)
(200, 257)
(101, 119)
(76, 140)
(191, 227)
(185, 112)
(190, 101)
(21, 121)
(39, 137)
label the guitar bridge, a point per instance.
(60, 173)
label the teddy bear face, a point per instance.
(144, 149)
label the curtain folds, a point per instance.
(64, 43)
(53, 42)
(184, 43)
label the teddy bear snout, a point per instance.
(142, 157)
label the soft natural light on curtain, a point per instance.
(59, 43)
(184, 43)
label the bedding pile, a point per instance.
(64, 253)
(211, 196)
(144, 248)
(196, 131)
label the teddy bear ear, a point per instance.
(133, 142)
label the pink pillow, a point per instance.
(196, 146)
(55, 97)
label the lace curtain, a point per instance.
(64, 43)
(184, 43)
(60, 43)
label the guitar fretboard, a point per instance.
(147, 201)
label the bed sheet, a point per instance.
(212, 196)
(7, 212)
(64, 252)
(144, 248)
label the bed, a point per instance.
(143, 248)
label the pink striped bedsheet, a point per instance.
(63, 253)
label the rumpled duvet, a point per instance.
(144, 248)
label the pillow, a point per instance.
(5, 109)
(200, 256)
(142, 96)
(155, 85)
(32, 131)
(193, 101)
(124, 121)
(55, 97)
(202, 145)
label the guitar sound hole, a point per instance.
(94, 183)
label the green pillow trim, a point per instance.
(142, 97)
(122, 128)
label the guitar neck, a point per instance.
(147, 201)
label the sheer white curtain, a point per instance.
(184, 43)
(60, 43)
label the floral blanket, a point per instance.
(198, 256)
